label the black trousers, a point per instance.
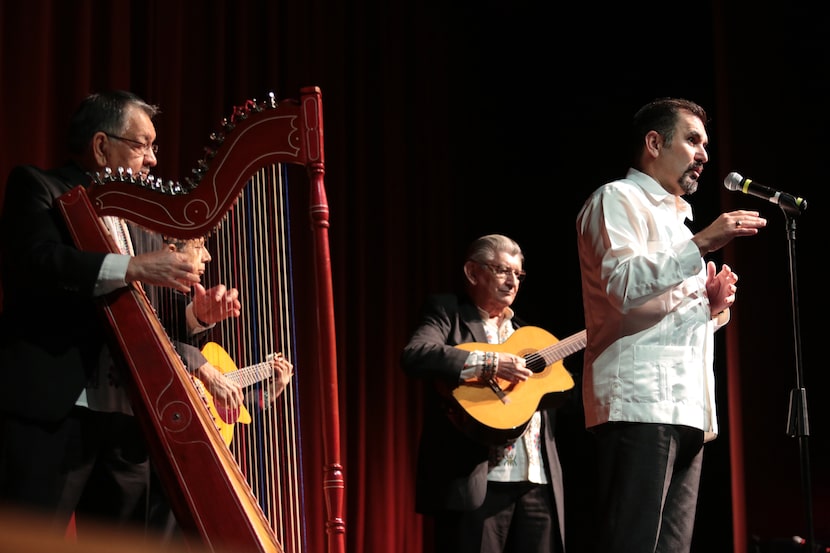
(516, 517)
(90, 464)
(648, 481)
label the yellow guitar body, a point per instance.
(505, 407)
(220, 359)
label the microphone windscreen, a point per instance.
(733, 181)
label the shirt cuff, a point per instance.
(478, 364)
(722, 318)
(113, 274)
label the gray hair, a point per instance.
(486, 248)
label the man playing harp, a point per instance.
(70, 441)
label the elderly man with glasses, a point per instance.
(70, 443)
(482, 494)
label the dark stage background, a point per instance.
(448, 120)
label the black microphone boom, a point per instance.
(789, 203)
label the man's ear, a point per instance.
(99, 140)
(469, 271)
(654, 143)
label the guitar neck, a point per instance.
(564, 348)
(252, 374)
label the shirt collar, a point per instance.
(658, 194)
(507, 314)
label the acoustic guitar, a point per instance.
(225, 419)
(499, 410)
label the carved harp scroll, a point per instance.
(207, 490)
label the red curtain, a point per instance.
(445, 121)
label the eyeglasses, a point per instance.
(503, 272)
(145, 148)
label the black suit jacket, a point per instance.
(452, 467)
(50, 331)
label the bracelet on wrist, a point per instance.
(487, 374)
(489, 367)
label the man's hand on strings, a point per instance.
(276, 385)
(216, 304)
(163, 268)
(513, 368)
(283, 371)
(227, 394)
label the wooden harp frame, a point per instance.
(208, 493)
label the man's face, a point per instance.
(680, 163)
(497, 283)
(132, 148)
(197, 253)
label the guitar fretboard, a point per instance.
(537, 361)
(251, 375)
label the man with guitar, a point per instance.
(187, 331)
(224, 394)
(494, 495)
(211, 367)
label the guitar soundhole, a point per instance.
(535, 362)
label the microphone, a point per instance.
(790, 204)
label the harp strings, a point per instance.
(251, 251)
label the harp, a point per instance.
(241, 186)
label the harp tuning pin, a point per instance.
(191, 184)
(217, 138)
(107, 176)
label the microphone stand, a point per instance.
(798, 424)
